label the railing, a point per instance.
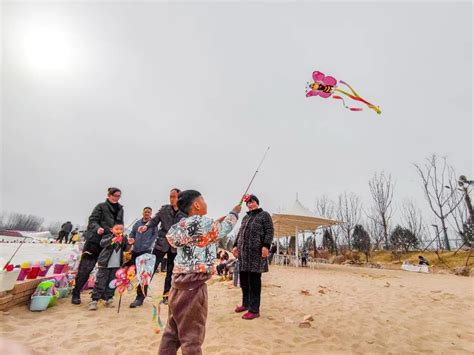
(292, 260)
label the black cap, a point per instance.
(253, 198)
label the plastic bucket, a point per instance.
(8, 280)
(44, 270)
(33, 274)
(58, 268)
(23, 273)
(53, 301)
(40, 303)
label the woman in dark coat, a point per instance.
(252, 248)
(104, 216)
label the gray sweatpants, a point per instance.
(102, 281)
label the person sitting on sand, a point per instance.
(195, 238)
(110, 260)
(223, 261)
(423, 261)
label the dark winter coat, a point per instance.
(166, 217)
(66, 227)
(108, 248)
(103, 216)
(255, 233)
(143, 241)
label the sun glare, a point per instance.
(47, 49)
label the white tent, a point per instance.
(297, 219)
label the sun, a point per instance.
(46, 48)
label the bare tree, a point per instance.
(325, 207)
(53, 228)
(348, 211)
(21, 222)
(413, 220)
(381, 189)
(375, 230)
(435, 176)
(460, 215)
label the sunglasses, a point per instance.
(118, 196)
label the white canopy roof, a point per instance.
(297, 217)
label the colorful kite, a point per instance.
(145, 266)
(124, 281)
(325, 87)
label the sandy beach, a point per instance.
(355, 310)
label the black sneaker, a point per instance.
(136, 303)
(76, 299)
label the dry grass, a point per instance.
(446, 260)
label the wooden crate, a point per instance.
(21, 293)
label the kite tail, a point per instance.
(157, 313)
(344, 104)
(356, 96)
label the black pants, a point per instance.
(303, 261)
(270, 259)
(251, 284)
(220, 269)
(169, 272)
(86, 266)
(102, 281)
(61, 236)
(164, 261)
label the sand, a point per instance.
(355, 310)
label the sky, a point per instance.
(149, 96)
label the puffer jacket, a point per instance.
(196, 239)
(103, 216)
(108, 247)
(255, 233)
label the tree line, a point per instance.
(373, 227)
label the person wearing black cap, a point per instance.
(252, 248)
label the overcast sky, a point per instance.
(149, 96)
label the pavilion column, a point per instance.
(296, 246)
